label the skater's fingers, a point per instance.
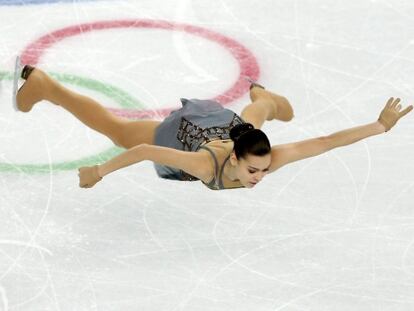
(395, 103)
(406, 110)
(389, 102)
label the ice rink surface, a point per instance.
(333, 232)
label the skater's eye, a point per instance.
(256, 169)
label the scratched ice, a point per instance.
(333, 232)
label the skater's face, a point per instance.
(251, 169)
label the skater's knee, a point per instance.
(120, 136)
(119, 142)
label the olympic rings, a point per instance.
(32, 53)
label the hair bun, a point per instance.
(239, 130)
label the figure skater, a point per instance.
(201, 140)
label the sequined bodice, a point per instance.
(193, 136)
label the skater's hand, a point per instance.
(391, 113)
(88, 176)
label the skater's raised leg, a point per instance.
(266, 105)
(123, 132)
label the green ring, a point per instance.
(112, 92)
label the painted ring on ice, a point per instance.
(28, 2)
(246, 60)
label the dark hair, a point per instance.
(248, 140)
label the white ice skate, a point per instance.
(17, 74)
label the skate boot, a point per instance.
(31, 91)
(282, 110)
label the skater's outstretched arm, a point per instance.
(193, 163)
(287, 153)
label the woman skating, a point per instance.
(200, 141)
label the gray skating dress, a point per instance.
(196, 122)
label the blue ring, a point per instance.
(28, 2)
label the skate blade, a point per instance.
(253, 83)
(17, 74)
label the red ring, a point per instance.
(247, 62)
